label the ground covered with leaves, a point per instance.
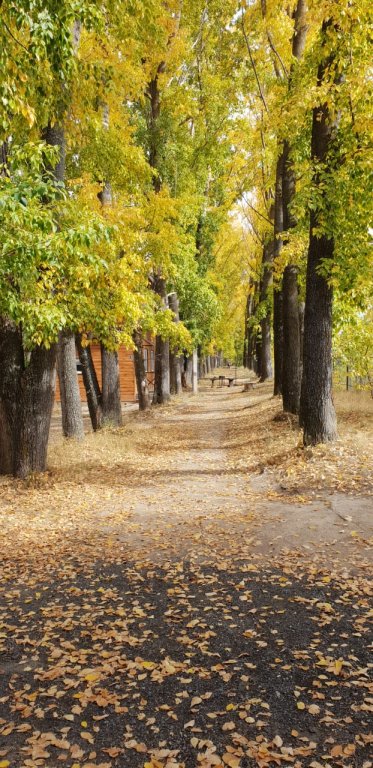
(173, 596)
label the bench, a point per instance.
(248, 385)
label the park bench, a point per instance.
(248, 385)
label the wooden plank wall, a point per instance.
(128, 390)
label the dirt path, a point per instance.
(165, 603)
(197, 499)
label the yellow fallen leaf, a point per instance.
(91, 677)
(338, 666)
(148, 664)
(229, 707)
(301, 705)
(4, 763)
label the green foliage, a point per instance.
(225, 106)
(42, 262)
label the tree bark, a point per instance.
(27, 386)
(71, 408)
(291, 370)
(161, 393)
(278, 325)
(72, 420)
(111, 402)
(54, 135)
(291, 381)
(188, 371)
(195, 372)
(92, 387)
(317, 410)
(140, 373)
(265, 323)
(175, 373)
(278, 339)
(301, 308)
(175, 359)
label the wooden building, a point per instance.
(128, 388)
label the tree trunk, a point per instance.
(317, 410)
(140, 373)
(175, 360)
(175, 373)
(278, 340)
(265, 323)
(161, 393)
(301, 308)
(111, 402)
(278, 328)
(27, 386)
(291, 359)
(72, 420)
(92, 388)
(188, 368)
(195, 372)
(54, 135)
(162, 371)
(291, 379)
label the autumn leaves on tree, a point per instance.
(195, 171)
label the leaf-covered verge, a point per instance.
(148, 619)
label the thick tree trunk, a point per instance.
(278, 340)
(317, 410)
(291, 370)
(27, 386)
(161, 393)
(111, 403)
(175, 373)
(72, 420)
(175, 359)
(278, 332)
(140, 373)
(265, 323)
(291, 381)
(301, 308)
(92, 388)
(188, 371)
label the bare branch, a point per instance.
(253, 63)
